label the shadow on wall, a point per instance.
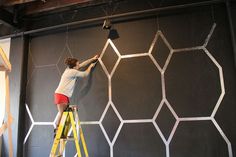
(83, 85)
(113, 34)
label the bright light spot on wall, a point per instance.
(5, 45)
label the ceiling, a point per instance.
(26, 15)
(18, 15)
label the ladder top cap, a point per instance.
(74, 106)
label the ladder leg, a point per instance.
(75, 134)
(58, 135)
(62, 146)
(76, 123)
(81, 134)
(83, 142)
(66, 127)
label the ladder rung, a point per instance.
(69, 138)
(74, 107)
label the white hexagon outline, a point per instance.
(211, 118)
(48, 65)
(34, 123)
(122, 121)
(110, 103)
(66, 46)
(63, 51)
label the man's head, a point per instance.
(72, 63)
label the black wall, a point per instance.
(146, 103)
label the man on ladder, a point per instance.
(67, 83)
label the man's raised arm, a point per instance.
(89, 61)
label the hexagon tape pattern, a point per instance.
(164, 99)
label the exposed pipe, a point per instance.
(231, 27)
(142, 12)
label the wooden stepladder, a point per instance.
(70, 119)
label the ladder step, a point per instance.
(69, 138)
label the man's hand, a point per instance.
(95, 57)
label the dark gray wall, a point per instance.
(192, 87)
(233, 11)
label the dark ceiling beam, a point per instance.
(6, 18)
(8, 3)
(100, 20)
(40, 6)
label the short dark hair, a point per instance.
(71, 62)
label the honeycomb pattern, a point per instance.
(165, 120)
(111, 123)
(150, 124)
(128, 79)
(205, 93)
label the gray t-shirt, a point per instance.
(68, 79)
